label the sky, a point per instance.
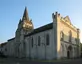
(40, 11)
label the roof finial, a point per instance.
(25, 15)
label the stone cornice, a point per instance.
(70, 43)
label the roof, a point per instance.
(67, 19)
(25, 15)
(11, 39)
(40, 29)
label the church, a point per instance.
(56, 40)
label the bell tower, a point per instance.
(24, 27)
(27, 24)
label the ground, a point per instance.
(26, 61)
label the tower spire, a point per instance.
(25, 15)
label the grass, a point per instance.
(54, 60)
(35, 60)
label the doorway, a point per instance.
(69, 51)
(68, 54)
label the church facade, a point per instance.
(56, 40)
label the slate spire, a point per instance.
(25, 15)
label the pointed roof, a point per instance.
(67, 19)
(25, 15)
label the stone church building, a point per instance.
(56, 40)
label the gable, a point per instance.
(67, 19)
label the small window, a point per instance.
(32, 42)
(38, 40)
(47, 39)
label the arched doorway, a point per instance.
(69, 51)
(68, 54)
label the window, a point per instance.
(5, 49)
(70, 36)
(47, 39)
(38, 40)
(76, 40)
(24, 44)
(32, 42)
(61, 36)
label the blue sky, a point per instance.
(40, 11)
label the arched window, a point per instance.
(47, 39)
(70, 36)
(39, 40)
(61, 36)
(76, 40)
(32, 41)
